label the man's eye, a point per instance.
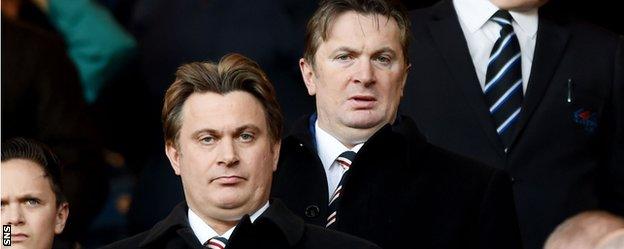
(32, 202)
(343, 57)
(246, 137)
(207, 140)
(383, 60)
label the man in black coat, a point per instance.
(397, 191)
(222, 128)
(566, 153)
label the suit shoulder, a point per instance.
(318, 237)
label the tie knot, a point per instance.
(346, 158)
(216, 242)
(503, 18)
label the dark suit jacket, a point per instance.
(277, 228)
(401, 193)
(567, 155)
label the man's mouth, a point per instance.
(228, 180)
(363, 101)
(18, 237)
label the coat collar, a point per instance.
(404, 131)
(291, 226)
(176, 221)
(552, 39)
(288, 224)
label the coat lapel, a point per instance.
(549, 47)
(451, 43)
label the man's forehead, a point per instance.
(360, 21)
(222, 112)
(354, 30)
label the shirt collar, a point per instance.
(527, 21)
(475, 13)
(329, 148)
(204, 232)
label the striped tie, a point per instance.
(503, 87)
(344, 160)
(216, 242)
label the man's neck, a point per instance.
(349, 136)
(205, 223)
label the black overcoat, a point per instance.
(402, 192)
(276, 228)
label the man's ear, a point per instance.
(61, 217)
(171, 149)
(276, 153)
(405, 78)
(307, 72)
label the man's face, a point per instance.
(29, 205)
(358, 76)
(518, 5)
(225, 155)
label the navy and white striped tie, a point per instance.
(216, 242)
(344, 160)
(503, 87)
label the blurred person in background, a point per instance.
(613, 240)
(587, 230)
(97, 45)
(42, 99)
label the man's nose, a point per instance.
(365, 73)
(228, 154)
(13, 215)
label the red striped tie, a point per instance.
(216, 242)
(344, 160)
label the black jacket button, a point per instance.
(312, 211)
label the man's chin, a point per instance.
(365, 121)
(230, 211)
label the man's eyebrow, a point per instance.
(28, 197)
(386, 50)
(204, 130)
(237, 130)
(345, 49)
(247, 127)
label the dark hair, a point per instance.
(319, 25)
(39, 153)
(233, 72)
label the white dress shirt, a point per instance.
(204, 232)
(481, 34)
(329, 148)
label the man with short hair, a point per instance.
(348, 169)
(222, 128)
(34, 206)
